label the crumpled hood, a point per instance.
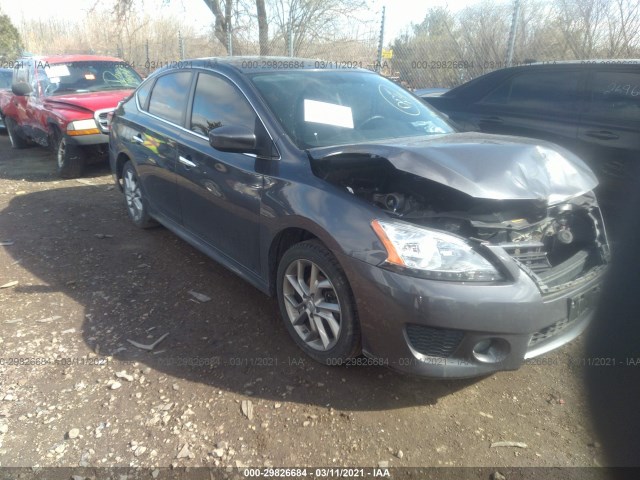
(484, 166)
(90, 101)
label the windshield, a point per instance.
(91, 76)
(324, 108)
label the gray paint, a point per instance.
(484, 166)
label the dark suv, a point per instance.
(589, 107)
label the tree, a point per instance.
(263, 27)
(436, 22)
(222, 11)
(417, 58)
(10, 42)
(309, 21)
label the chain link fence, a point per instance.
(443, 49)
(448, 49)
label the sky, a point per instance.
(399, 14)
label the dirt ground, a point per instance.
(226, 386)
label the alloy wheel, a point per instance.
(312, 305)
(133, 195)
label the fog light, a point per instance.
(491, 350)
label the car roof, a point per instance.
(71, 58)
(601, 61)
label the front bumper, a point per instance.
(84, 140)
(455, 330)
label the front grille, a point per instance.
(101, 119)
(550, 331)
(433, 342)
(532, 255)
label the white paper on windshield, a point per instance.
(57, 71)
(327, 113)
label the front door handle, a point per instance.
(137, 139)
(602, 134)
(186, 162)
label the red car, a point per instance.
(62, 102)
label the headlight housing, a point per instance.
(433, 254)
(82, 127)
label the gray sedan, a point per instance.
(380, 230)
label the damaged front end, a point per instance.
(529, 201)
(491, 249)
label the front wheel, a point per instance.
(134, 198)
(69, 158)
(317, 304)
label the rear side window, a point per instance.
(218, 102)
(616, 95)
(556, 91)
(169, 96)
(143, 94)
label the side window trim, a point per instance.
(184, 109)
(510, 78)
(199, 71)
(578, 100)
(145, 107)
(194, 75)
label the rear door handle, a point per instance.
(186, 162)
(602, 134)
(137, 139)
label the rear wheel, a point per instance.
(134, 198)
(317, 304)
(17, 141)
(70, 159)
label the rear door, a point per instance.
(155, 139)
(220, 192)
(610, 128)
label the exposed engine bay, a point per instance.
(556, 243)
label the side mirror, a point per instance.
(21, 89)
(240, 139)
(233, 138)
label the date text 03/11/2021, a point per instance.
(317, 472)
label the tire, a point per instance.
(70, 159)
(16, 139)
(321, 315)
(136, 204)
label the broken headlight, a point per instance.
(433, 254)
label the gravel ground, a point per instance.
(219, 382)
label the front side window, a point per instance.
(218, 102)
(169, 96)
(547, 91)
(616, 95)
(325, 108)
